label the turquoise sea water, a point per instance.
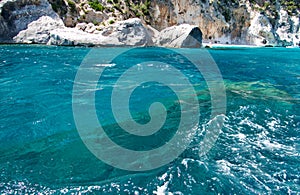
(257, 152)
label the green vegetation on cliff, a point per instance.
(96, 5)
(144, 9)
(291, 6)
(72, 6)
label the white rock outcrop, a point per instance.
(130, 32)
(260, 30)
(288, 30)
(39, 31)
(183, 35)
(74, 37)
(15, 15)
(233, 22)
(90, 28)
(226, 22)
(81, 26)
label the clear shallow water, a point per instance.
(258, 150)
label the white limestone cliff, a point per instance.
(231, 22)
(39, 31)
(130, 32)
(227, 22)
(15, 15)
(180, 36)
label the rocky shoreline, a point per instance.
(36, 22)
(131, 32)
(44, 26)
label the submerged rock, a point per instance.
(39, 31)
(183, 35)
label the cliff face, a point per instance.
(15, 15)
(234, 22)
(255, 22)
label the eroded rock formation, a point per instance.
(180, 36)
(251, 22)
(15, 15)
(130, 32)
